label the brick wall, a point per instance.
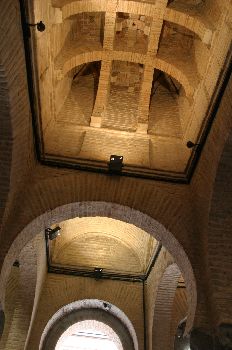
(16, 152)
(11, 296)
(182, 209)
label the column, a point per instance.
(155, 33)
(102, 94)
(144, 100)
(109, 30)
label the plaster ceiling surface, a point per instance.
(132, 78)
(115, 246)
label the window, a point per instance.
(89, 335)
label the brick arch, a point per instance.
(88, 309)
(72, 8)
(161, 333)
(220, 239)
(193, 23)
(196, 24)
(85, 57)
(115, 211)
(159, 63)
(179, 74)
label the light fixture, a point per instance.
(52, 233)
(40, 26)
(115, 164)
(16, 263)
(98, 272)
(106, 306)
(190, 144)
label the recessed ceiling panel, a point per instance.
(98, 242)
(138, 79)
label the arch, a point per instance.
(193, 23)
(89, 309)
(177, 72)
(163, 308)
(89, 56)
(115, 211)
(98, 328)
(159, 63)
(72, 8)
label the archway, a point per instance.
(163, 308)
(118, 212)
(89, 334)
(116, 322)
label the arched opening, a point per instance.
(89, 334)
(164, 98)
(133, 223)
(163, 308)
(79, 85)
(89, 324)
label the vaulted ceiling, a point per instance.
(132, 78)
(114, 246)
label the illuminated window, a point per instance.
(89, 335)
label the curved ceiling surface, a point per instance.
(136, 79)
(114, 246)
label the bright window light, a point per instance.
(87, 336)
(76, 342)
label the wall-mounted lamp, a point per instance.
(106, 306)
(190, 144)
(98, 273)
(52, 233)
(40, 26)
(115, 164)
(16, 263)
